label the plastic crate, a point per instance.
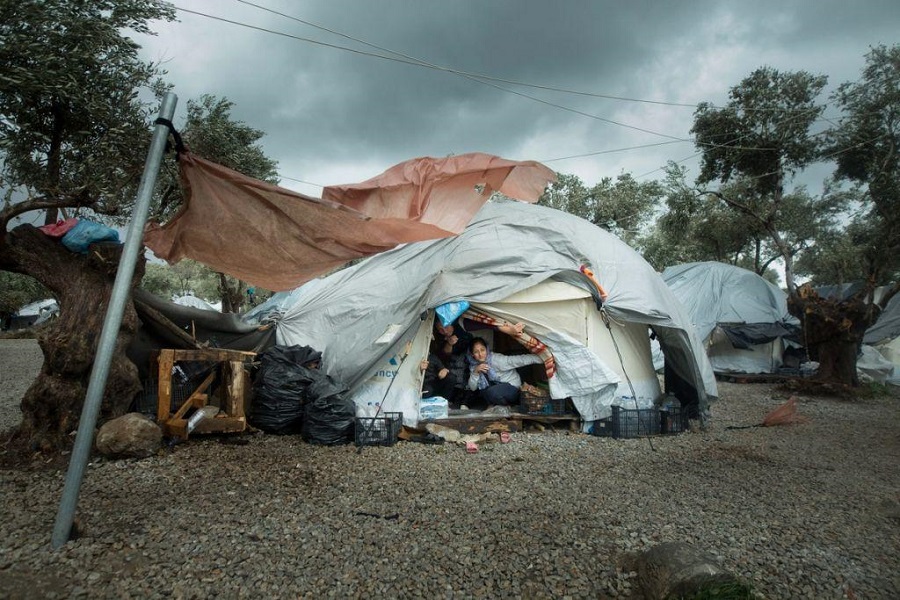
(378, 431)
(673, 420)
(628, 423)
(602, 427)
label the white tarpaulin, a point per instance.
(365, 318)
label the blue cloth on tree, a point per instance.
(85, 233)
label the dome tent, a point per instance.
(193, 301)
(884, 336)
(742, 318)
(34, 313)
(520, 262)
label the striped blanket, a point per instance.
(531, 343)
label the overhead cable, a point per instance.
(418, 63)
(482, 75)
(478, 78)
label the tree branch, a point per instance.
(766, 264)
(737, 205)
(41, 203)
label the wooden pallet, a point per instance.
(492, 423)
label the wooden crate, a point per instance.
(235, 385)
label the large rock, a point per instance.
(131, 435)
(679, 570)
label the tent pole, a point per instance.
(120, 292)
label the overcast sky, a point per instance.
(333, 116)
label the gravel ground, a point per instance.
(805, 511)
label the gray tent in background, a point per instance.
(517, 262)
(741, 317)
(882, 341)
(34, 313)
(195, 302)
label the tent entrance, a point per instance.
(500, 336)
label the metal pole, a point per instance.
(120, 292)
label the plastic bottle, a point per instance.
(204, 412)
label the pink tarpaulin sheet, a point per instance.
(278, 239)
(445, 192)
(59, 229)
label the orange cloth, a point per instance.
(278, 239)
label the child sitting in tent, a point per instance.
(449, 346)
(439, 381)
(493, 376)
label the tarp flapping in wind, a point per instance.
(277, 239)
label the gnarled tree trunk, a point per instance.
(832, 332)
(82, 284)
(232, 294)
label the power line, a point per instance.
(597, 153)
(460, 72)
(487, 80)
(482, 76)
(418, 63)
(410, 60)
(823, 158)
(300, 181)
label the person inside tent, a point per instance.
(450, 344)
(493, 376)
(450, 340)
(438, 381)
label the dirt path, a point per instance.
(20, 362)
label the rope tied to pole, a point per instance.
(179, 143)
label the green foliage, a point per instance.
(17, 290)
(763, 131)
(185, 277)
(753, 147)
(623, 205)
(697, 228)
(74, 129)
(873, 390)
(866, 147)
(568, 194)
(840, 254)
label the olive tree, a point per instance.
(74, 131)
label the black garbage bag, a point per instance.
(280, 386)
(329, 414)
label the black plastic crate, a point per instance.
(534, 404)
(378, 431)
(602, 427)
(628, 423)
(634, 422)
(673, 420)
